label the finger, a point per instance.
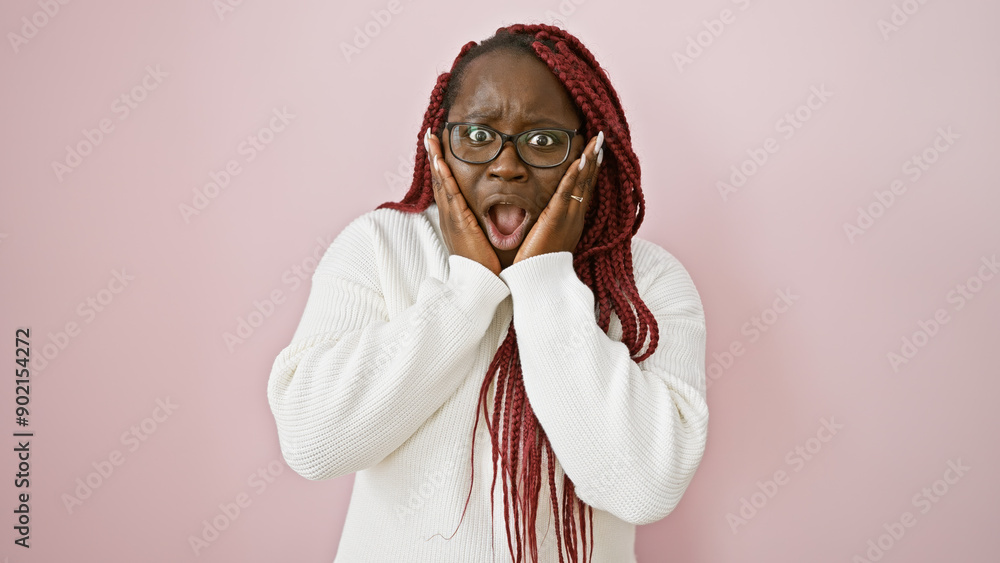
(447, 193)
(588, 175)
(562, 200)
(439, 169)
(442, 195)
(587, 180)
(598, 160)
(444, 172)
(428, 150)
(445, 203)
(579, 178)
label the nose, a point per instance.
(508, 165)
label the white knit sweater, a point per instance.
(383, 374)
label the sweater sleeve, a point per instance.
(354, 384)
(630, 436)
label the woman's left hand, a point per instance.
(560, 225)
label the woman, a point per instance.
(523, 210)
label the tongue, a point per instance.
(506, 217)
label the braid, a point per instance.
(550, 457)
(602, 260)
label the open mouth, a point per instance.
(506, 225)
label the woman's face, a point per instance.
(511, 93)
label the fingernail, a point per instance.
(600, 156)
(427, 146)
(583, 162)
(600, 141)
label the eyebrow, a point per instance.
(492, 115)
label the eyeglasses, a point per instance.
(478, 144)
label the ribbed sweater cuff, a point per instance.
(537, 282)
(476, 290)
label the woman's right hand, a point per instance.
(459, 226)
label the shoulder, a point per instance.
(376, 220)
(660, 277)
(380, 227)
(650, 260)
(380, 236)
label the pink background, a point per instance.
(825, 356)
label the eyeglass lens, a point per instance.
(538, 147)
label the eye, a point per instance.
(478, 135)
(546, 139)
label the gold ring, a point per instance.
(576, 197)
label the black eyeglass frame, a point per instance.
(514, 138)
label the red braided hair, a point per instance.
(602, 260)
